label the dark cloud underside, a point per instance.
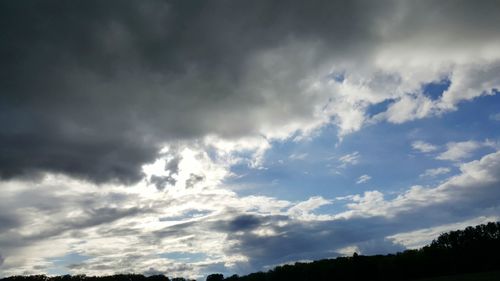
(90, 88)
(93, 88)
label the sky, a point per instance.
(192, 137)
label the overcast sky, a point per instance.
(193, 137)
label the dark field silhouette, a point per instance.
(469, 254)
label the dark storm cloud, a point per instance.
(240, 223)
(92, 88)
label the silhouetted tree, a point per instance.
(215, 277)
(159, 277)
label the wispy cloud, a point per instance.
(430, 173)
(495, 116)
(300, 156)
(349, 159)
(363, 179)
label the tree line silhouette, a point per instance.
(474, 249)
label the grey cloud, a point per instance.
(44, 213)
(91, 89)
(175, 231)
(379, 246)
(162, 181)
(8, 221)
(193, 180)
(305, 240)
(464, 197)
(124, 231)
(173, 165)
(274, 239)
(472, 193)
(91, 218)
(99, 267)
(239, 223)
(266, 239)
(296, 240)
(460, 198)
(317, 240)
(152, 271)
(245, 222)
(126, 263)
(103, 215)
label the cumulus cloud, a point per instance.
(363, 179)
(408, 108)
(304, 210)
(474, 186)
(424, 147)
(103, 104)
(468, 79)
(430, 173)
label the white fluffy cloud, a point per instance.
(459, 150)
(423, 146)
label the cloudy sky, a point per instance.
(192, 137)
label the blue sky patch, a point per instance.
(435, 90)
